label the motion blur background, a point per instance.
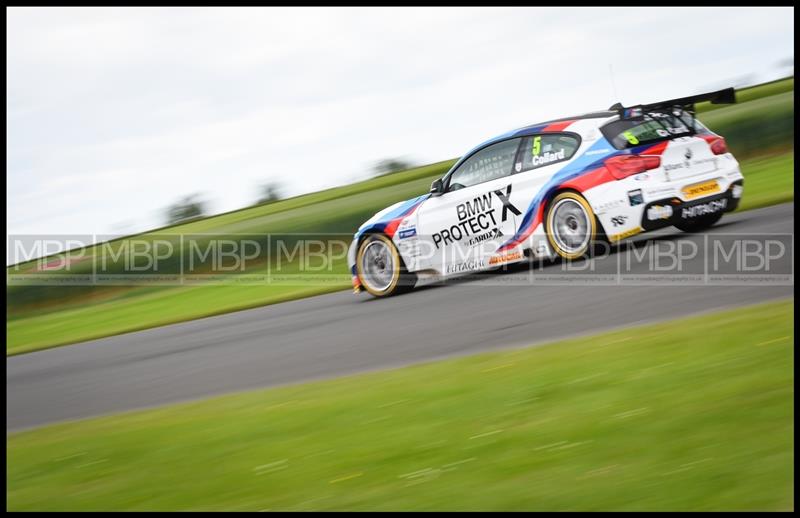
(115, 114)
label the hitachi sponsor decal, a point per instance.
(466, 266)
(705, 208)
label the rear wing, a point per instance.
(685, 104)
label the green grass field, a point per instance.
(758, 127)
(752, 93)
(693, 414)
(759, 131)
(768, 180)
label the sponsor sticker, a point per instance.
(660, 191)
(466, 266)
(608, 205)
(659, 212)
(409, 232)
(504, 258)
(704, 208)
(477, 216)
(709, 163)
(700, 189)
(619, 221)
(672, 167)
(635, 197)
(495, 233)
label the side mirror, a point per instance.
(437, 187)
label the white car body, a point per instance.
(501, 220)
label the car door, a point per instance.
(462, 227)
(541, 156)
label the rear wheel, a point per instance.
(570, 226)
(699, 224)
(380, 267)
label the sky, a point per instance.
(115, 113)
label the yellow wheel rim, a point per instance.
(378, 265)
(570, 225)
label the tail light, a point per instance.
(718, 146)
(623, 166)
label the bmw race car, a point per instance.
(555, 189)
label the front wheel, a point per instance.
(380, 267)
(570, 226)
(699, 224)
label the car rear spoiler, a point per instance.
(726, 96)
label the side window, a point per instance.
(489, 163)
(542, 150)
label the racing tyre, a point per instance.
(380, 267)
(571, 226)
(699, 224)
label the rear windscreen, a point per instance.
(652, 127)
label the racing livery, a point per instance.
(554, 190)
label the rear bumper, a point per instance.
(668, 211)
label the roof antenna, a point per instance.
(613, 85)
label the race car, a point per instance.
(554, 190)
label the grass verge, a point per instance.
(768, 181)
(692, 414)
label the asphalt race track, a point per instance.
(337, 334)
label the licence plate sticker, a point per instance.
(700, 189)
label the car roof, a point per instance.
(539, 126)
(605, 114)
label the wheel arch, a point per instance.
(601, 231)
(375, 231)
(405, 281)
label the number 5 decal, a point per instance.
(631, 137)
(537, 146)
